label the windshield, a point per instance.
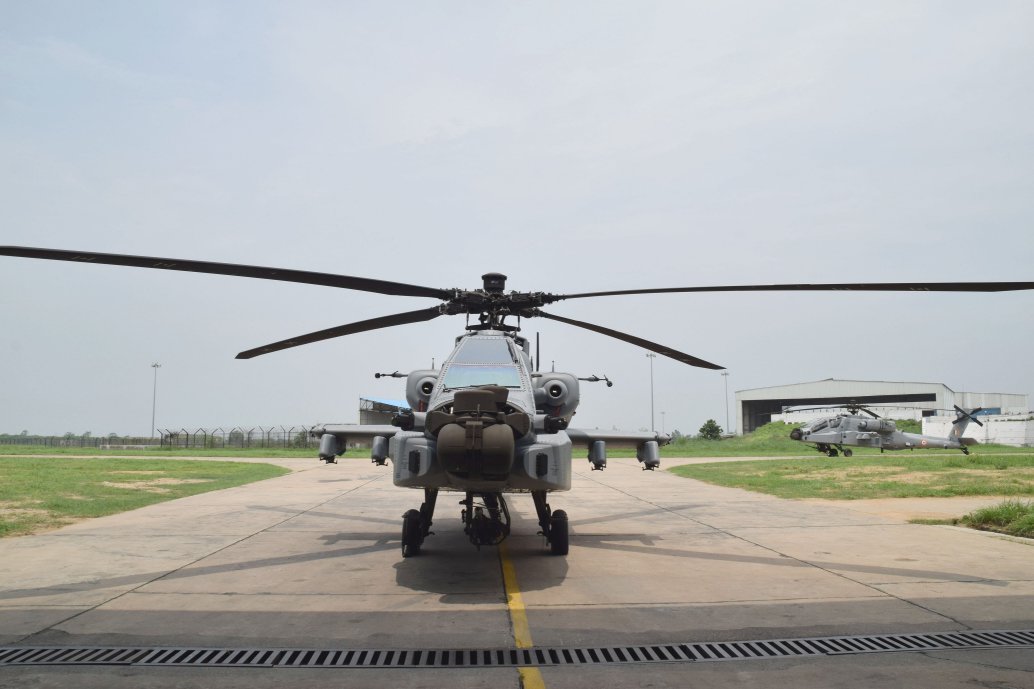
(484, 350)
(465, 376)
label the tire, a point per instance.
(412, 535)
(558, 533)
(848, 453)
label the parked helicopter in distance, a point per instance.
(830, 434)
(485, 423)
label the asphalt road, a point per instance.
(312, 560)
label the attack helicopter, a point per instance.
(486, 423)
(829, 435)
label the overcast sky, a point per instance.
(576, 146)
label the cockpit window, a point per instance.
(484, 350)
(465, 376)
(820, 425)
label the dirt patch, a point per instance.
(17, 504)
(154, 485)
(851, 473)
(8, 512)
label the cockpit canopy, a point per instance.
(483, 361)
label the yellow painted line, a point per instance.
(531, 677)
(514, 600)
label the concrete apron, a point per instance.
(312, 559)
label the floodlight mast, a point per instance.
(154, 395)
(651, 356)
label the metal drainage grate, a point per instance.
(512, 657)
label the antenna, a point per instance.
(538, 353)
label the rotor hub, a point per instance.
(494, 283)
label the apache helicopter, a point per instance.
(485, 423)
(831, 434)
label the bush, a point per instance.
(711, 430)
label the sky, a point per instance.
(577, 146)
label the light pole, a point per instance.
(725, 375)
(154, 395)
(651, 356)
(663, 425)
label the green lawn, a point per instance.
(1013, 517)
(899, 475)
(38, 493)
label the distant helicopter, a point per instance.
(830, 434)
(485, 423)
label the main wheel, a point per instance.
(412, 533)
(847, 453)
(558, 542)
(831, 452)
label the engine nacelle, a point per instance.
(878, 425)
(419, 386)
(557, 394)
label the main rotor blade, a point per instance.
(820, 287)
(645, 344)
(349, 329)
(282, 274)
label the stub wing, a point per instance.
(334, 438)
(616, 439)
(646, 445)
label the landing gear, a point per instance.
(416, 524)
(848, 453)
(554, 524)
(831, 452)
(487, 523)
(412, 537)
(558, 533)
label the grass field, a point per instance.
(892, 476)
(43, 493)
(39, 450)
(887, 476)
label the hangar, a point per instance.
(755, 407)
(378, 410)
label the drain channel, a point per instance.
(511, 657)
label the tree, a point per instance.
(711, 430)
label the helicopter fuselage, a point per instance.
(832, 433)
(486, 422)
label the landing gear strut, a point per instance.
(553, 524)
(416, 524)
(487, 523)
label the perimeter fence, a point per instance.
(240, 436)
(233, 437)
(84, 440)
